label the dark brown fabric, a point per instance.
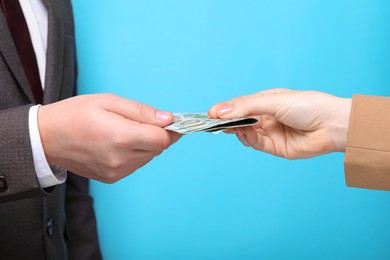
(18, 27)
(81, 234)
(58, 223)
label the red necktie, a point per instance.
(18, 27)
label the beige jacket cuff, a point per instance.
(367, 154)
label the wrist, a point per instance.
(45, 133)
(47, 175)
(341, 124)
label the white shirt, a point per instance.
(36, 17)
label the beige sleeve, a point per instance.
(367, 154)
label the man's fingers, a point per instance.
(136, 111)
(148, 137)
(174, 136)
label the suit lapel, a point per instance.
(11, 56)
(55, 52)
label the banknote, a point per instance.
(187, 123)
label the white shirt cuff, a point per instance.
(47, 175)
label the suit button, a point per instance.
(50, 227)
(3, 184)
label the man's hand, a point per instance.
(292, 124)
(103, 136)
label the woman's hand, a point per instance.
(292, 124)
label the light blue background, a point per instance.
(209, 197)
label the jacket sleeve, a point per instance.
(367, 154)
(18, 179)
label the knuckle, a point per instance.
(109, 96)
(164, 144)
(113, 163)
(104, 98)
(160, 140)
(110, 180)
(157, 153)
(118, 140)
(112, 166)
(140, 109)
(111, 177)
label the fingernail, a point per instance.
(224, 110)
(163, 116)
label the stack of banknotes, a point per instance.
(187, 123)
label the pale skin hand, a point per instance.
(292, 124)
(103, 136)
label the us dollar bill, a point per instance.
(187, 123)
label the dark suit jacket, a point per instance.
(57, 223)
